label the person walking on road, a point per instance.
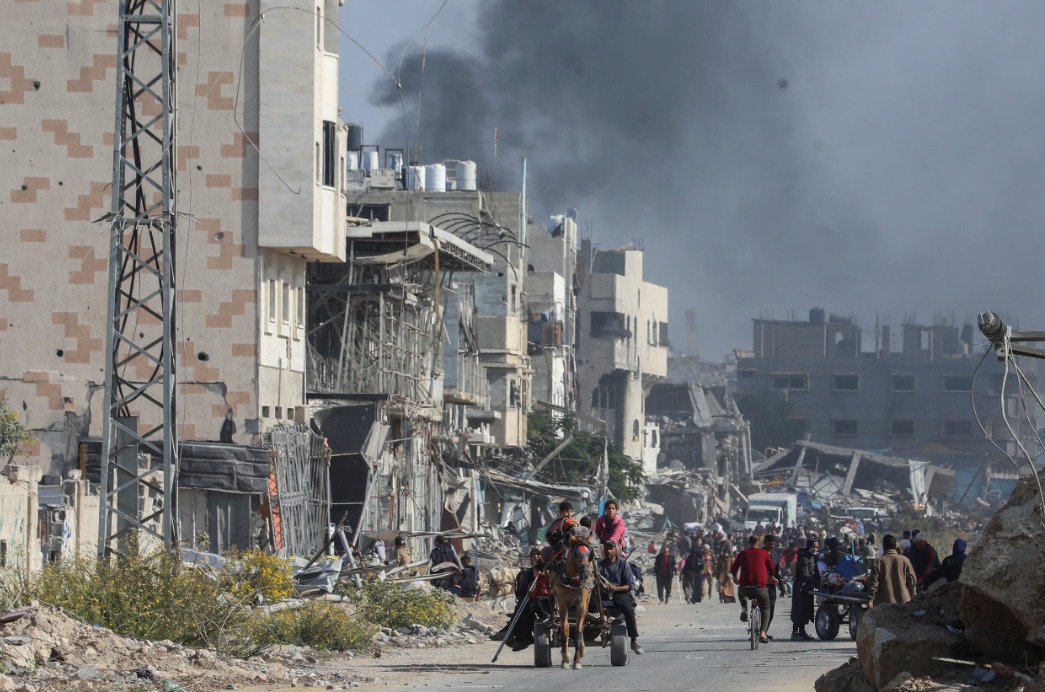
(690, 571)
(806, 581)
(892, 577)
(769, 545)
(923, 557)
(664, 568)
(727, 593)
(755, 569)
(951, 567)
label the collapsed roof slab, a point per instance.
(863, 470)
(415, 243)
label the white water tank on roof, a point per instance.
(435, 177)
(352, 161)
(465, 173)
(415, 178)
(371, 160)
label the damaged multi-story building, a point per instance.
(703, 448)
(622, 341)
(249, 225)
(910, 394)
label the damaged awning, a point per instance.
(414, 242)
(218, 466)
(533, 487)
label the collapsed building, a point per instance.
(703, 448)
(843, 477)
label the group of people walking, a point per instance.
(768, 568)
(756, 567)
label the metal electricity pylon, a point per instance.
(138, 489)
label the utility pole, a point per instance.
(138, 488)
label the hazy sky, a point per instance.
(874, 158)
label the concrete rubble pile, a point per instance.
(986, 631)
(49, 650)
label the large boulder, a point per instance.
(894, 639)
(1003, 605)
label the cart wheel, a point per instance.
(826, 621)
(542, 646)
(855, 613)
(619, 645)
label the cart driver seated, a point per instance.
(618, 587)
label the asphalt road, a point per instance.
(701, 645)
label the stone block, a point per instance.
(1003, 604)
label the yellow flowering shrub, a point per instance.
(252, 573)
(390, 606)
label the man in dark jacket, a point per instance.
(807, 579)
(691, 573)
(951, 567)
(892, 577)
(664, 568)
(923, 558)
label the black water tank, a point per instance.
(355, 137)
(816, 316)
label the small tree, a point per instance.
(12, 432)
(580, 461)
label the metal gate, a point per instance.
(299, 489)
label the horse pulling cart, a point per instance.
(605, 626)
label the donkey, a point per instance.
(500, 584)
(572, 582)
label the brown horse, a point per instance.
(572, 582)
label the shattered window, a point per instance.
(610, 324)
(847, 383)
(846, 426)
(957, 428)
(902, 428)
(903, 383)
(791, 381)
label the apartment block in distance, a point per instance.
(914, 399)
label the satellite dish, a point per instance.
(571, 213)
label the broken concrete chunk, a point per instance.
(1003, 606)
(889, 642)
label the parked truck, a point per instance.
(771, 508)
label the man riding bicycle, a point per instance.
(756, 569)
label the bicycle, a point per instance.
(754, 625)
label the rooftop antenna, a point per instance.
(418, 149)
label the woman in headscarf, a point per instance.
(707, 571)
(807, 579)
(951, 567)
(726, 588)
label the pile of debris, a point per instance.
(49, 650)
(986, 630)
